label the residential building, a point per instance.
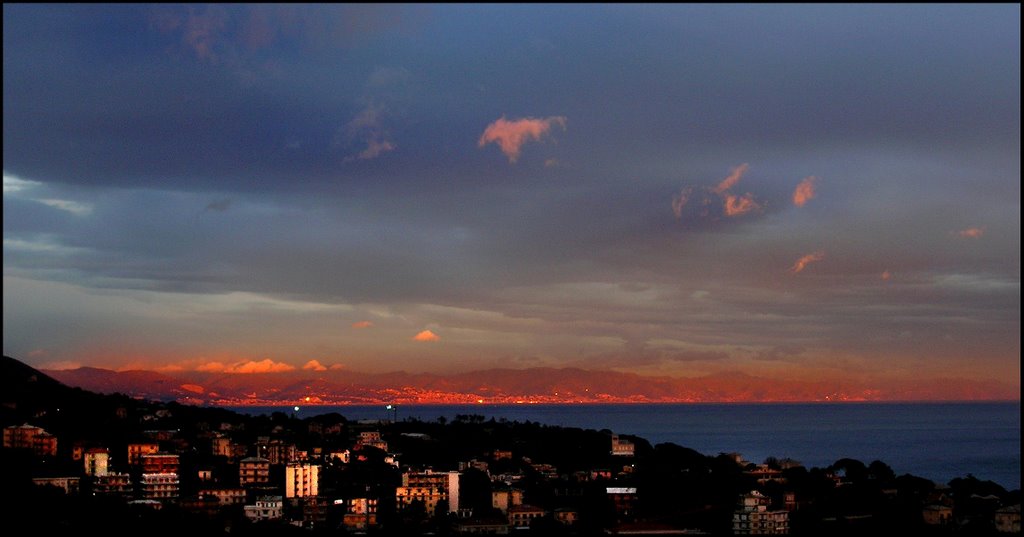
(621, 447)
(301, 480)
(521, 516)
(138, 449)
(753, 517)
(505, 498)
(623, 500)
(160, 463)
(224, 496)
(44, 444)
(265, 508)
(113, 484)
(430, 496)
(162, 486)
(220, 445)
(70, 485)
(481, 526)
(360, 513)
(96, 461)
(937, 514)
(314, 512)
(20, 436)
(431, 488)
(567, 516)
(279, 452)
(1007, 519)
(30, 437)
(764, 473)
(373, 439)
(253, 471)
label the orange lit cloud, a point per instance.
(970, 233)
(802, 263)
(511, 135)
(734, 177)
(732, 204)
(194, 388)
(251, 366)
(426, 335)
(212, 367)
(362, 324)
(886, 276)
(804, 191)
(737, 205)
(314, 365)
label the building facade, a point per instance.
(96, 461)
(253, 471)
(753, 517)
(162, 486)
(301, 480)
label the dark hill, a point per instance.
(25, 392)
(30, 396)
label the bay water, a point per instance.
(936, 441)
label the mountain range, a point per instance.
(536, 385)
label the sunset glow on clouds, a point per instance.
(252, 366)
(323, 181)
(802, 263)
(426, 335)
(314, 365)
(511, 135)
(737, 205)
(804, 191)
(970, 233)
(731, 204)
(730, 181)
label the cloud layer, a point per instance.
(288, 182)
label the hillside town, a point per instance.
(77, 460)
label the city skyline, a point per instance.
(790, 192)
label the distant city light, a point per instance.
(296, 409)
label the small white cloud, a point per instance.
(73, 207)
(13, 184)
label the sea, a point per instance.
(936, 441)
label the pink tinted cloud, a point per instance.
(679, 201)
(970, 233)
(362, 324)
(426, 335)
(802, 263)
(314, 365)
(804, 191)
(734, 177)
(737, 205)
(511, 135)
(367, 128)
(375, 148)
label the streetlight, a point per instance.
(394, 411)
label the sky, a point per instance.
(789, 191)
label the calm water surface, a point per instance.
(938, 441)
